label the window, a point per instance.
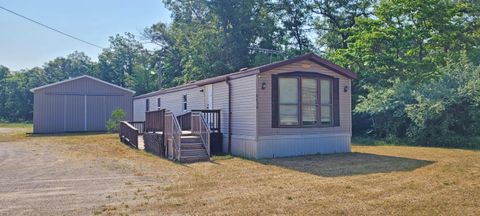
(147, 105)
(302, 99)
(185, 103)
(326, 102)
(309, 101)
(159, 103)
(288, 101)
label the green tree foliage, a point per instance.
(128, 64)
(402, 50)
(332, 19)
(75, 64)
(417, 60)
(209, 38)
(113, 122)
(4, 73)
(18, 100)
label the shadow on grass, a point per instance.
(347, 164)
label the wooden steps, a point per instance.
(192, 149)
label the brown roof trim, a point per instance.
(256, 70)
(252, 71)
(167, 90)
(310, 56)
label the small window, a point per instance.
(309, 101)
(159, 103)
(326, 102)
(147, 105)
(185, 103)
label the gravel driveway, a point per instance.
(36, 178)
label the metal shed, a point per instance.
(78, 104)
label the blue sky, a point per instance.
(25, 45)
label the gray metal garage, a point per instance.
(78, 104)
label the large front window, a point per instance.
(304, 101)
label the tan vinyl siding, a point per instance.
(264, 119)
(244, 118)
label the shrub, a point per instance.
(114, 121)
(442, 111)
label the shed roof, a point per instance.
(259, 69)
(80, 77)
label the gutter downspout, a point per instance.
(227, 80)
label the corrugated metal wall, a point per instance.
(79, 105)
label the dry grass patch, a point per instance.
(14, 131)
(373, 180)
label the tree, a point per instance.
(209, 38)
(295, 17)
(333, 18)
(75, 64)
(19, 100)
(400, 49)
(128, 64)
(4, 73)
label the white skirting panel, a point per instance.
(293, 145)
(244, 146)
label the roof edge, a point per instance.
(80, 77)
(256, 70)
(317, 59)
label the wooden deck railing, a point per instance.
(155, 121)
(185, 121)
(212, 118)
(128, 134)
(200, 128)
(172, 134)
(139, 125)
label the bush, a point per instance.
(444, 111)
(114, 121)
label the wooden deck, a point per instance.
(190, 139)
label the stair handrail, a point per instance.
(128, 134)
(203, 130)
(175, 134)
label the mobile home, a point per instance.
(298, 106)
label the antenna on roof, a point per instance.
(266, 51)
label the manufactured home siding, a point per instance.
(273, 142)
(220, 101)
(82, 104)
(172, 101)
(244, 117)
(265, 102)
(139, 108)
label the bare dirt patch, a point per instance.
(96, 174)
